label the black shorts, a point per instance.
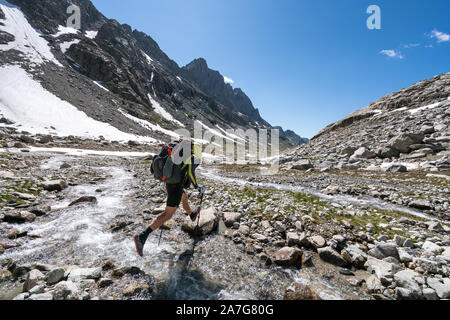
(174, 194)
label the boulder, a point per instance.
(34, 277)
(41, 297)
(230, 218)
(54, 276)
(304, 164)
(329, 255)
(293, 239)
(207, 224)
(431, 248)
(363, 153)
(354, 256)
(404, 294)
(405, 279)
(78, 274)
(287, 257)
(298, 291)
(381, 269)
(384, 250)
(374, 284)
(317, 242)
(387, 152)
(54, 185)
(66, 290)
(403, 142)
(85, 199)
(442, 287)
(19, 217)
(421, 204)
(436, 227)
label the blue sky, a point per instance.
(304, 64)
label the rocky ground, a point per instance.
(67, 222)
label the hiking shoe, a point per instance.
(139, 245)
(194, 214)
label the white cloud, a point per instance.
(411, 45)
(440, 36)
(228, 80)
(392, 54)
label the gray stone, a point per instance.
(55, 185)
(317, 241)
(33, 279)
(405, 255)
(381, 269)
(430, 294)
(84, 273)
(329, 255)
(66, 290)
(442, 288)
(42, 296)
(207, 224)
(435, 226)
(292, 239)
(405, 279)
(302, 165)
(230, 218)
(287, 257)
(432, 248)
(363, 153)
(54, 276)
(260, 237)
(373, 284)
(404, 294)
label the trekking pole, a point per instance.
(160, 236)
(199, 210)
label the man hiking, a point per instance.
(175, 191)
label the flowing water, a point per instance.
(361, 201)
(211, 268)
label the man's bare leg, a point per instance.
(186, 206)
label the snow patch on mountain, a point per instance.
(65, 30)
(162, 112)
(27, 40)
(91, 34)
(150, 126)
(36, 110)
(66, 45)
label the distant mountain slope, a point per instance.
(409, 127)
(118, 75)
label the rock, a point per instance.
(19, 217)
(317, 241)
(109, 265)
(363, 153)
(207, 224)
(33, 279)
(120, 272)
(374, 284)
(298, 291)
(302, 165)
(22, 296)
(287, 257)
(8, 244)
(421, 204)
(66, 290)
(38, 289)
(5, 275)
(260, 238)
(92, 200)
(55, 185)
(430, 294)
(405, 279)
(384, 250)
(65, 165)
(78, 274)
(327, 254)
(41, 297)
(46, 139)
(230, 218)
(408, 244)
(307, 259)
(436, 227)
(280, 227)
(381, 269)
(54, 276)
(432, 248)
(354, 256)
(135, 289)
(442, 288)
(169, 224)
(396, 168)
(244, 230)
(404, 294)
(103, 283)
(399, 240)
(387, 152)
(292, 239)
(403, 142)
(405, 255)
(2, 250)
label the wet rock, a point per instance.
(78, 274)
(19, 217)
(34, 277)
(55, 185)
(85, 199)
(103, 283)
(66, 290)
(329, 255)
(207, 224)
(298, 291)
(135, 289)
(230, 218)
(8, 244)
(287, 257)
(54, 276)
(120, 272)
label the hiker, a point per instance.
(175, 191)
